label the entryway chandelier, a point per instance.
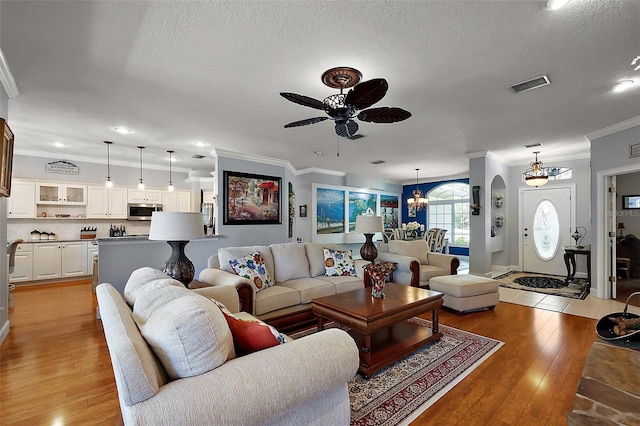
(537, 175)
(418, 201)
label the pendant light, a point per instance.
(418, 201)
(141, 184)
(537, 175)
(170, 187)
(108, 182)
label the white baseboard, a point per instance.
(4, 332)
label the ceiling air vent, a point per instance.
(533, 145)
(198, 156)
(531, 84)
(378, 162)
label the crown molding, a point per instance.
(216, 152)
(479, 154)
(321, 171)
(618, 127)
(6, 78)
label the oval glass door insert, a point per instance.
(546, 230)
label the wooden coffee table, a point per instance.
(379, 326)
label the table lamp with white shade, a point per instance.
(369, 225)
(177, 229)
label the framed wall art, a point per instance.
(330, 211)
(6, 159)
(251, 199)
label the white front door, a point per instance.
(546, 216)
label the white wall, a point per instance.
(482, 248)
(609, 156)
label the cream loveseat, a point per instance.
(298, 382)
(415, 264)
(299, 274)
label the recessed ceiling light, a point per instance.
(123, 130)
(555, 4)
(317, 152)
(200, 144)
(623, 85)
(59, 145)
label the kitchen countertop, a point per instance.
(144, 237)
(58, 240)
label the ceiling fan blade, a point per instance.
(356, 136)
(305, 122)
(384, 115)
(347, 129)
(367, 93)
(303, 100)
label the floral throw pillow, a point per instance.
(338, 263)
(252, 268)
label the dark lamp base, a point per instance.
(368, 251)
(179, 267)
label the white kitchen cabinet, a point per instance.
(22, 203)
(59, 259)
(23, 269)
(47, 261)
(176, 201)
(92, 250)
(106, 203)
(144, 196)
(74, 259)
(61, 193)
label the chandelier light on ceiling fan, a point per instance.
(418, 201)
(537, 175)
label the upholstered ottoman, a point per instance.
(466, 293)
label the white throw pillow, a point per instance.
(189, 335)
(138, 279)
(290, 261)
(155, 294)
(417, 249)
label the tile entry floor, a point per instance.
(591, 307)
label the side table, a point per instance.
(570, 253)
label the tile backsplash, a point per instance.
(69, 229)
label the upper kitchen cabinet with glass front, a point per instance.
(59, 193)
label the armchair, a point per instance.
(416, 265)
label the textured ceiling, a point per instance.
(176, 72)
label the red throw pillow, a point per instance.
(250, 336)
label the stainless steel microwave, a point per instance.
(142, 211)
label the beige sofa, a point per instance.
(415, 264)
(298, 382)
(299, 273)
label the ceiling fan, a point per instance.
(343, 108)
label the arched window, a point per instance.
(449, 209)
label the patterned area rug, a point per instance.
(546, 284)
(402, 391)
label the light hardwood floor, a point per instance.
(55, 367)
